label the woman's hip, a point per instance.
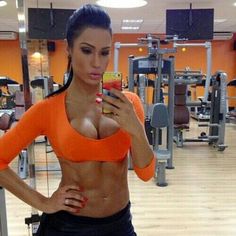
(64, 224)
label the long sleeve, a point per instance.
(148, 171)
(31, 125)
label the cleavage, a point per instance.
(91, 123)
(85, 127)
(103, 128)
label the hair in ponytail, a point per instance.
(88, 16)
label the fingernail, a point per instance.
(99, 94)
(85, 199)
(98, 100)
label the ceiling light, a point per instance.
(21, 17)
(129, 27)
(122, 3)
(22, 29)
(235, 4)
(133, 21)
(36, 55)
(3, 3)
(220, 20)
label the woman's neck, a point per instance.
(81, 92)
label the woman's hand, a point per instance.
(66, 198)
(122, 111)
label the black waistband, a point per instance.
(63, 215)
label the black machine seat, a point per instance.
(4, 81)
(232, 83)
(39, 81)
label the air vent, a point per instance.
(223, 35)
(8, 35)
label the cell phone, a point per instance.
(111, 80)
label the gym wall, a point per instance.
(224, 58)
(10, 59)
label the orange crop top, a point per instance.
(49, 118)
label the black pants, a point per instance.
(65, 224)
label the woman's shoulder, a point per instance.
(53, 100)
(131, 95)
(137, 104)
(48, 104)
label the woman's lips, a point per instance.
(95, 76)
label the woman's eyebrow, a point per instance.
(92, 46)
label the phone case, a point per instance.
(111, 80)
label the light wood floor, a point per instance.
(199, 201)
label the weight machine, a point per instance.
(217, 117)
(208, 47)
(159, 66)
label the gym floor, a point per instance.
(200, 199)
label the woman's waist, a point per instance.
(63, 218)
(104, 199)
(103, 206)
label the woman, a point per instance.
(93, 196)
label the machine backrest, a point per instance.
(20, 105)
(181, 112)
(5, 121)
(159, 116)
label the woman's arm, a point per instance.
(128, 113)
(33, 123)
(142, 153)
(10, 180)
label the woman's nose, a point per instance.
(96, 61)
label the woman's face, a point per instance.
(90, 55)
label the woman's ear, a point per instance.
(68, 49)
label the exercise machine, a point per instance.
(160, 120)
(139, 69)
(7, 98)
(5, 120)
(5, 116)
(184, 79)
(218, 110)
(208, 47)
(231, 110)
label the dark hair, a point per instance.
(87, 16)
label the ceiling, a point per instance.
(153, 13)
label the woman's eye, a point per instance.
(105, 53)
(86, 50)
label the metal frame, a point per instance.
(223, 109)
(218, 116)
(20, 5)
(117, 46)
(216, 136)
(167, 67)
(208, 47)
(3, 214)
